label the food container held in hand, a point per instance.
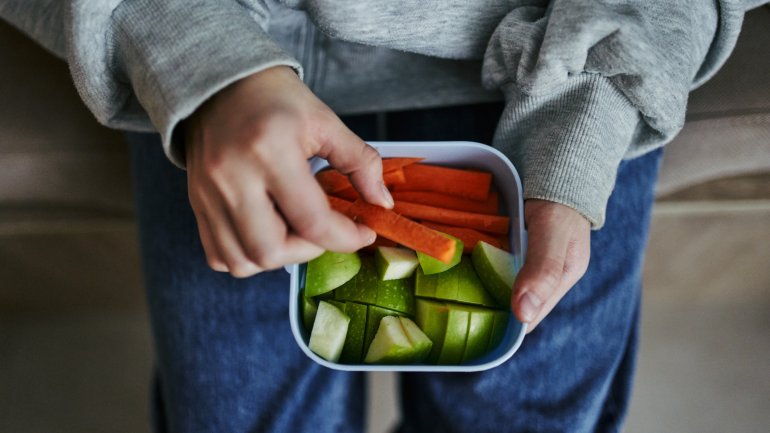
(466, 155)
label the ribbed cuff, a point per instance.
(568, 144)
(177, 54)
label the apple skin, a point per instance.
(454, 339)
(496, 269)
(460, 284)
(353, 351)
(362, 288)
(499, 327)
(309, 310)
(480, 325)
(432, 318)
(395, 263)
(432, 265)
(329, 271)
(367, 288)
(329, 331)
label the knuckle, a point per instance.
(314, 228)
(242, 269)
(550, 273)
(265, 258)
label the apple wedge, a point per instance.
(329, 331)
(496, 269)
(395, 263)
(420, 342)
(480, 324)
(353, 350)
(329, 271)
(309, 310)
(390, 344)
(432, 319)
(432, 265)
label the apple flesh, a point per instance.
(329, 331)
(329, 271)
(431, 265)
(374, 315)
(395, 263)
(390, 344)
(496, 270)
(420, 342)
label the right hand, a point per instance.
(257, 205)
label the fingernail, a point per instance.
(529, 306)
(388, 197)
(372, 237)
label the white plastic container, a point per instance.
(459, 154)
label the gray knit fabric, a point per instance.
(586, 82)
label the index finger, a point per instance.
(306, 209)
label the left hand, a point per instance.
(558, 251)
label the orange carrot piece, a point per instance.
(332, 181)
(488, 223)
(404, 231)
(394, 177)
(470, 237)
(390, 178)
(338, 204)
(489, 206)
(390, 164)
(453, 181)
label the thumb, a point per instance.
(541, 276)
(346, 152)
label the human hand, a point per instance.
(257, 205)
(558, 250)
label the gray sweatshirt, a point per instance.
(586, 82)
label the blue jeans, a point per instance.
(227, 362)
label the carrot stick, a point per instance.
(332, 181)
(404, 231)
(338, 204)
(462, 183)
(488, 223)
(469, 237)
(390, 164)
(348, 194)
(488, 206)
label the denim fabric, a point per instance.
(227, 362)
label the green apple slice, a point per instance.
(480, 324)
(374, 315)
(396, 295)
(425, 285)
(329, 271)
(496, 269)
(454, 339)
(432, 317)
(420, 342)
(432, 265)
(353, 350)
(390, 344)
(470, 290)
(329, 331)
(499, 327)
(309, 310)
(395, 263)
(362, 288)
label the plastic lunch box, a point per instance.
(448, 153)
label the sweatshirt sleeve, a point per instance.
(145, 65)
(589, 83)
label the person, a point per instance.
(243, 92)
